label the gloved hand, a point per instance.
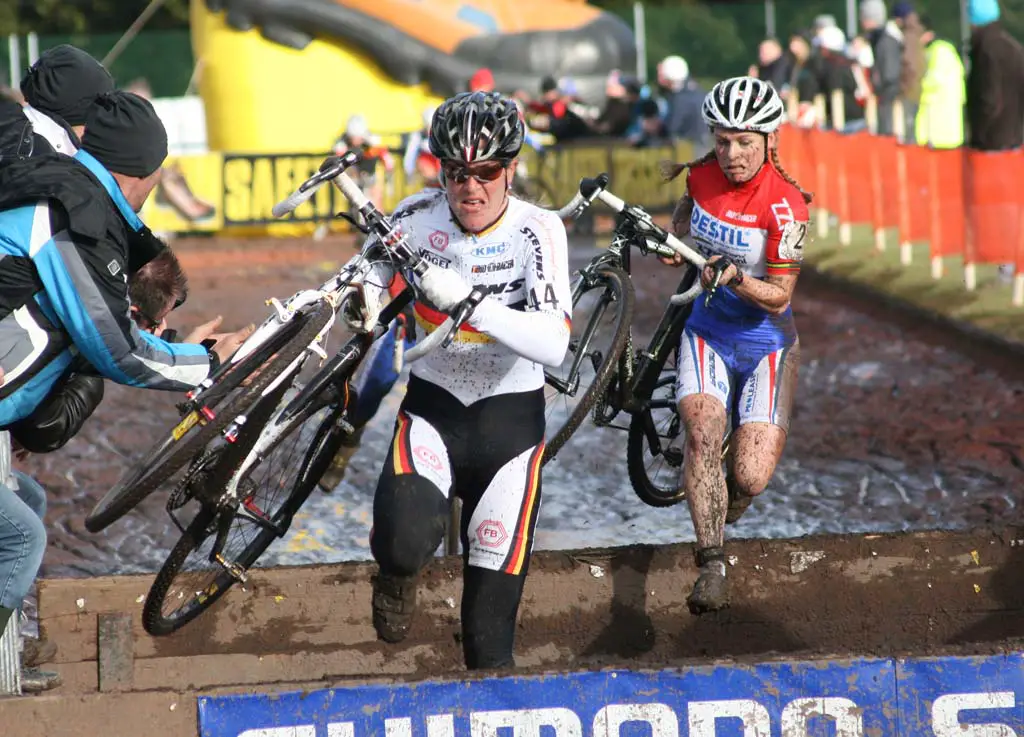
(355, 314)
(444, 288)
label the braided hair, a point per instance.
(670, 170)
(773, 154)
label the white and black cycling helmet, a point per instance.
(476, 126)
(743, 104)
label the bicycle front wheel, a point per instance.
(192, 579)
(243, 387)
(601, 320)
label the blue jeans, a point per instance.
(376, 377)
(22, 538)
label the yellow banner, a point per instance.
(189, 196)
(215, 192)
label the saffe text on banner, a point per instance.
(253, 184)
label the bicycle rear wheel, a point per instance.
(202, 425)
(594, 350)
(654, 448)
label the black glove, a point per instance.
(61, 415)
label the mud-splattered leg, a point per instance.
(704, 417)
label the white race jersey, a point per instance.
(523, 324)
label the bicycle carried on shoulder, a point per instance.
(258, 433)
(638, 382)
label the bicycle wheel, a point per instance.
(601, 319)
(271, 492)
(199, 427)
(654, 448)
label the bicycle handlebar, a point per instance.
(445, 334)
(658, 240)
(391, 236)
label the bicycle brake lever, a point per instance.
(462, 314)
(719, 267)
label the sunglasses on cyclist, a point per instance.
(484, 172)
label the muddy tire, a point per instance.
(618, 296)
(655, 492)
(172, 604)
(188, 438)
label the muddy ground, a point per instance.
(895, 428)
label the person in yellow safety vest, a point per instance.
(940, 118)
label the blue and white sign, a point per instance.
(962, 697)
(775, 700)
(935, 697)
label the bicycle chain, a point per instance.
(601, 405)
(181, 494)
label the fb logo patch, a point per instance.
(438, 240)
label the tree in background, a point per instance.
(86, 16)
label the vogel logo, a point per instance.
(697, 719)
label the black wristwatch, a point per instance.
(214, 358)
(738, 279)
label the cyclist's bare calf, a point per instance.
(704, 419)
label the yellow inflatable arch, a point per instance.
(279, 79)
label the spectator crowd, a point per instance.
(897, 57)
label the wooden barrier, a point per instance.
(309, 626)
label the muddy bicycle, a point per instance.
(625, 379)
(257, 434)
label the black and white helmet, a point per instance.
(476, 126)
(743, 104)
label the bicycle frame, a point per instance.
(324, 389)
(632, 364)
(634, 380)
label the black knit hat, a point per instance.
(64, 81)
(124, 133)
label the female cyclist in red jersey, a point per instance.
(739, 354)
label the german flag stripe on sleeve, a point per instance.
(401, 451)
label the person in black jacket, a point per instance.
(65, 225)
(154, 291)
(58, 90)
(887, 45)
(995, 83)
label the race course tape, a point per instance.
(927, 697)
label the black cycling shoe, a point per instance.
(394, 603)
(711, 591)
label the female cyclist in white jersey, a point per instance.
(739, 354)
(472, 421)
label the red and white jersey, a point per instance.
(759, 225)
